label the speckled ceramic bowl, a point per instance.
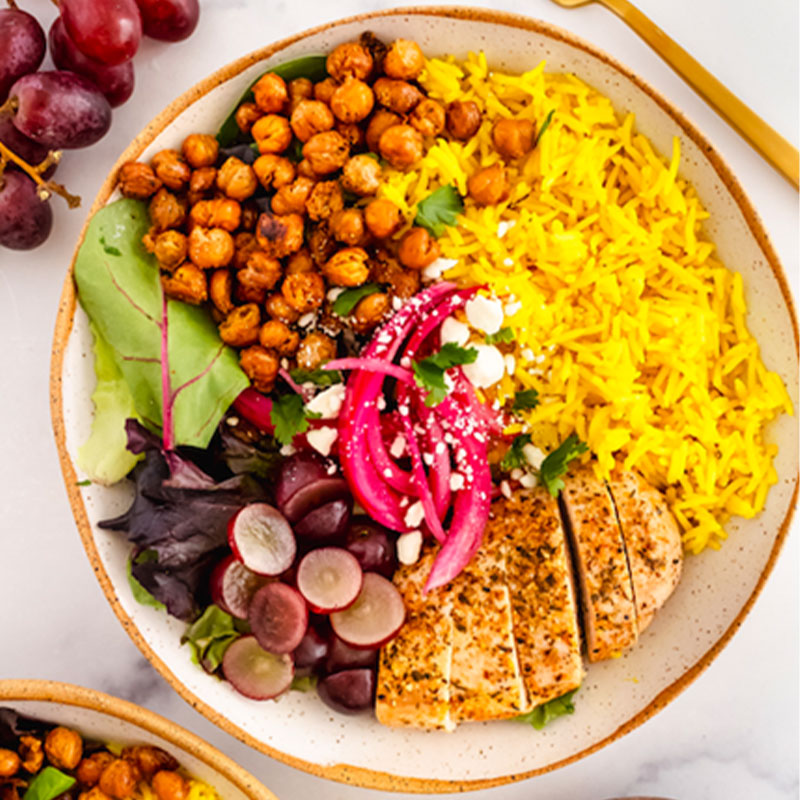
(718, 588)
(108, 719)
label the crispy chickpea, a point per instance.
(401, 146)
(279, 235)
(203, 180)
(187, 283)
(403, 60)
(382, 218)
(93, 794)
(300, 261)
(428, 117)
(149, 759)
(170, 249)
(378, 123)
(347, 267)
(166, 210)
(119, 779)
(299, 89)
(463, 119)
(138, 180)
(352, 101)
(270, 93)
(260, 275)
(221, 212)
(237, 179)
(220, 288)
(304, 170)
(278, 336)
(347, 226)
(10, 763)
(369, 311)
(310, 117)
(404, 282)
(488, 186)
(247, 115)
(200, 150)
(292, 199)
(31, 753)
(513, 138)
(63, 747)
(315, 349)
(351, 132)
(361, 175)
(398, 96)
(321, 244)
(326, 152)
(304, 291)
(240, 327)
(273, 171)
(91, 767)
(417, 249)
(261, 366)
(349, 60)
(272, 133)
(245, 244)
(210, 247)
(323, 91)
(277, 308)
(171, 169)
(169, 785)
(325, 200)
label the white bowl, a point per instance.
(718, 588)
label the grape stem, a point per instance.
(44, 188)
(11, 3)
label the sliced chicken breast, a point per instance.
(609, 610)
(652, 539)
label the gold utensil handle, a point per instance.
(775, 149)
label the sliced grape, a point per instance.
(298, 470)
(169, 20)
(329, 578)
(261, 539)
(326, 523)
(254, 672)
(22, 47)
(278, 617)
(341, 656)
(108, 31)
(349, 692)
(25, 220)
(313, 495)
(374, 618)
(233, 586)
(373, 546)
(312, 651)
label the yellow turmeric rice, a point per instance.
(631, 331)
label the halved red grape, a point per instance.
(326, 523)
(25, 220)
(341, 656)
(313, 495)
(116, 83)
(261, 539)
(278, 617)
(254, 672)
(108, 31)
(312, 651)
(169, 20)
(298, 470)
(233, 586)
(329, 578)
(373, 546)
(349, 692)
(22, 46)
(374, 618)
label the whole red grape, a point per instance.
(108, 31)
(25, 219)
(22, 46)
(169, 20)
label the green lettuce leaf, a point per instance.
(140, 594)
(210, 636)
(547, 712)
(48, 784)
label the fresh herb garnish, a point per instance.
(210, 637)
(526, 399)
(439, 209)
(140, 594)
(48, 784)
(429, 372)
(304, 683)
(515, 458)
(556, 463)
(290, 417)
(349, 298)
(87, 482)
(319, 377)
(545, 125)
(547, 712)
(503, 336)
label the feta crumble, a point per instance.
(485, 314)
(322, 439)
(328, 402)
(487, 369)
(408, 547)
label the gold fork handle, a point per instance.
(775, 149)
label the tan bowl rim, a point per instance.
(68, 694)
(345, 773)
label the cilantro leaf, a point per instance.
(319, 377)
(503, 335)
(527, 398)
(349, 298)
(439, 209)
(545, 125)
(429, 372)
(210, 636)
(290, 417)
(140, 594)
(547, 712)
(515, 458)
(556, 463)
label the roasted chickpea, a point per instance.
(170, 249)
(361, 175)
(378, 123)
(351, 132)
(91, 767)
(349, 60)
(513, 138)
(270, 93)
(398, 96)
(119, 779)
(278, 336)
(260, 275)
(279, 235)
(171, 169)
(403, 60)
(138, 180)
(428, 117)
(347, 226)
(221, 212)
(347, 267)
(166, 210)
(169, 785)
(250, 214)
(401, 146)
(304, 291)
(375, 47)
(299, 89)
(149, 759)
(261, 366)
(63, 747)
(237, 179)
(292, 199)
(31, 753)
(488, 186)
(326, 152)
(10, 763)
(272, 133)
(245, 244)
(304, 170)
(94, 793)
(315, 349)
(369, 311)
(240, 327)
(310, 117)
(352, 101)
(382, 218)
(323, 91)
(300, 261)
(325, 200)
(187, 283)
(404, 282)
(246, 116)
(273, 171)
(463, 119)
(220, 289)
(200, 150)
(417, 249)
(321, 244)
(202, 181)
(279, 309)
(210, 247)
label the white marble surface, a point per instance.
(732, 735)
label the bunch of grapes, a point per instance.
(44, 112)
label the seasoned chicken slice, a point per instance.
(609, 610)
(652, 539)
(539, 577)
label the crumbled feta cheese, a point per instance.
(428, 458)
(456, 482)
(398, 446)
(414, 515)
(408, 547)
(511, 363)
(527, 354)
(332, 469)
(232, 421)
(504, 226)
(437, 268)
(528, 480)
(397, 303)
(533, 455)
(288, 450)
(505, 488)
(516, 474)
(306, 319)
(488, 368)
(322, 439)
(512, 308)
(381, 403)
(328, 402)
(485, 314)
(334, 293)
(284, 363)
(454, 331)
